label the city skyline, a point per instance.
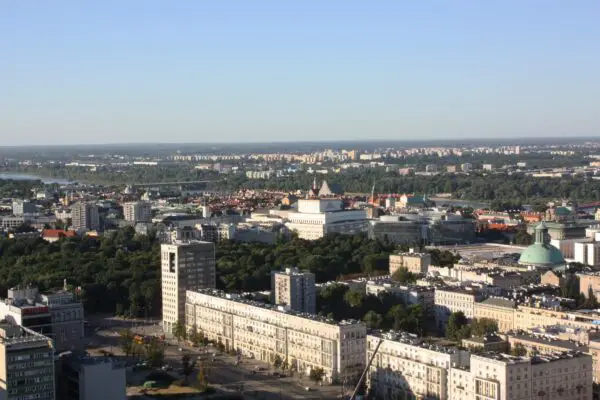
(196, 72)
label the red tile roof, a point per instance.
(57, 233)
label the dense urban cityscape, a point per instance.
(299, 200)
(216, 276)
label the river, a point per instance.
(27, 177)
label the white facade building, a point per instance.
(137, 211)
(318, 217)
(263, 332)
(450, 300)
(494, 376)
(407, 368)
(184, 266)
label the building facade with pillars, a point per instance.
(265, 332)
(405, 367)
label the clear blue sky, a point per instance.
(245, 71)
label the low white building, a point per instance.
(316, 218)
(91, 378)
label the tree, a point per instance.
(457, 327)
(354, 298)
(155, 352)
(203, 376)
(483, 326)
(127, 341)
(403, 275)
(373, 320)
(187, 366)
(316, 374)
(277, 361)
(179, 330)
(590, 301)
(518, 350)
(195, 336)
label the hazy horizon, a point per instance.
(227, 72)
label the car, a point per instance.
(180, 349)
(307, 388)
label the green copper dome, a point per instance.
(542, 253)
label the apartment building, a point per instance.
(21, 207)
(499, 309)
(405, 367)
(27, 364)
(262, 331)
(417, 263)
(449, 300)
(184, 266)
(58, 315)
(496, 376)
(294, 289)
(407, 294)
(82, 377)
(85, 216)
(137, 211)
(589, 281)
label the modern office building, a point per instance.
(137, 211)
(295, 289)
(82, 377)
(26, 364)
(405, 367)
(184, 266)
(85, 216)
(263, 331)
(416, 263)
(57, 315)
(22, 207)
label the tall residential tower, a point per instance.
(184, 266)
(294, 289)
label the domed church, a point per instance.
(541, 253)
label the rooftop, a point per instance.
(253, 303)
(413, 340)
(500, 302)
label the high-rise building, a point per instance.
(184, 266)
(21, 207)
(137, 211)
(26, 364)
(85, 216)
(294, 289)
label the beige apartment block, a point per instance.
(450, 300)
(417, 263)
(589, 281)
(499, 309)
(184, 266)
(262, 331)
(407, 368)
(496, 376)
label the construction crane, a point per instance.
(362, 377)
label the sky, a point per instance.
(206, 71)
